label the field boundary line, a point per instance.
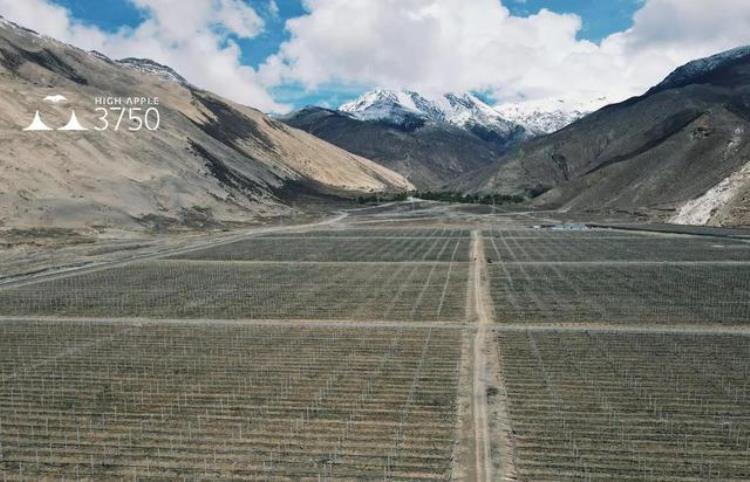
(346, 236)
(634, 262)
(457, 325)
(253, 261)
(673, 231)
(696, 329)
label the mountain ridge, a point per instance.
(664, 155)
(464, 110)
(546, 116)
(431, 142)
(212, 161)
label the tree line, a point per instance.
(445, 196)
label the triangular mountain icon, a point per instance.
(73, 124)
(37, 124)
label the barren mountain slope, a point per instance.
(680, 152)
(431, 142)
(210, 160)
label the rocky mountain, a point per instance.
(148, 66)
(545, 116)
(679, 153)
(130, 144)
(408, 108)
(430, 141)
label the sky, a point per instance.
(278, 55)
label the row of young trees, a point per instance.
(639, 406)
(251, 401)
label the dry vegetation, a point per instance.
(363, 248)
(617, 406)
(412, 275)
(199, 401)
(231, 371)
(223, 290)
(380, 232)
(605, 277)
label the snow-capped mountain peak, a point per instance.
(545, 116)
(377, 98)
(397, 107)
(465, 110)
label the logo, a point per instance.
(37, 124)
(55, 99)
(112, 113)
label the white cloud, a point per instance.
(455, 45)
(191, 39)
(432, 46)
(50, 19)
(273, 7)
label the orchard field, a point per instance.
(603, 276)
(167, 401)
(416, 341)
(628, 406)
(391, 275)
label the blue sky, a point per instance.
(278, 55)
(600, 19)
(108, 15)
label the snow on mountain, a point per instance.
(397, 107)
(148, 66)
(536, 117)
(7, 23)
(407, 107)
(545, 116)
(704, 66)
(467, 110)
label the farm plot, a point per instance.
(513, 231)
(607, 406)
(518, 246)
(621, 292)
(338, 248)
(409, 232)
(237, 290)
(198, 401)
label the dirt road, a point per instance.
(493, 461)
(483, 458)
